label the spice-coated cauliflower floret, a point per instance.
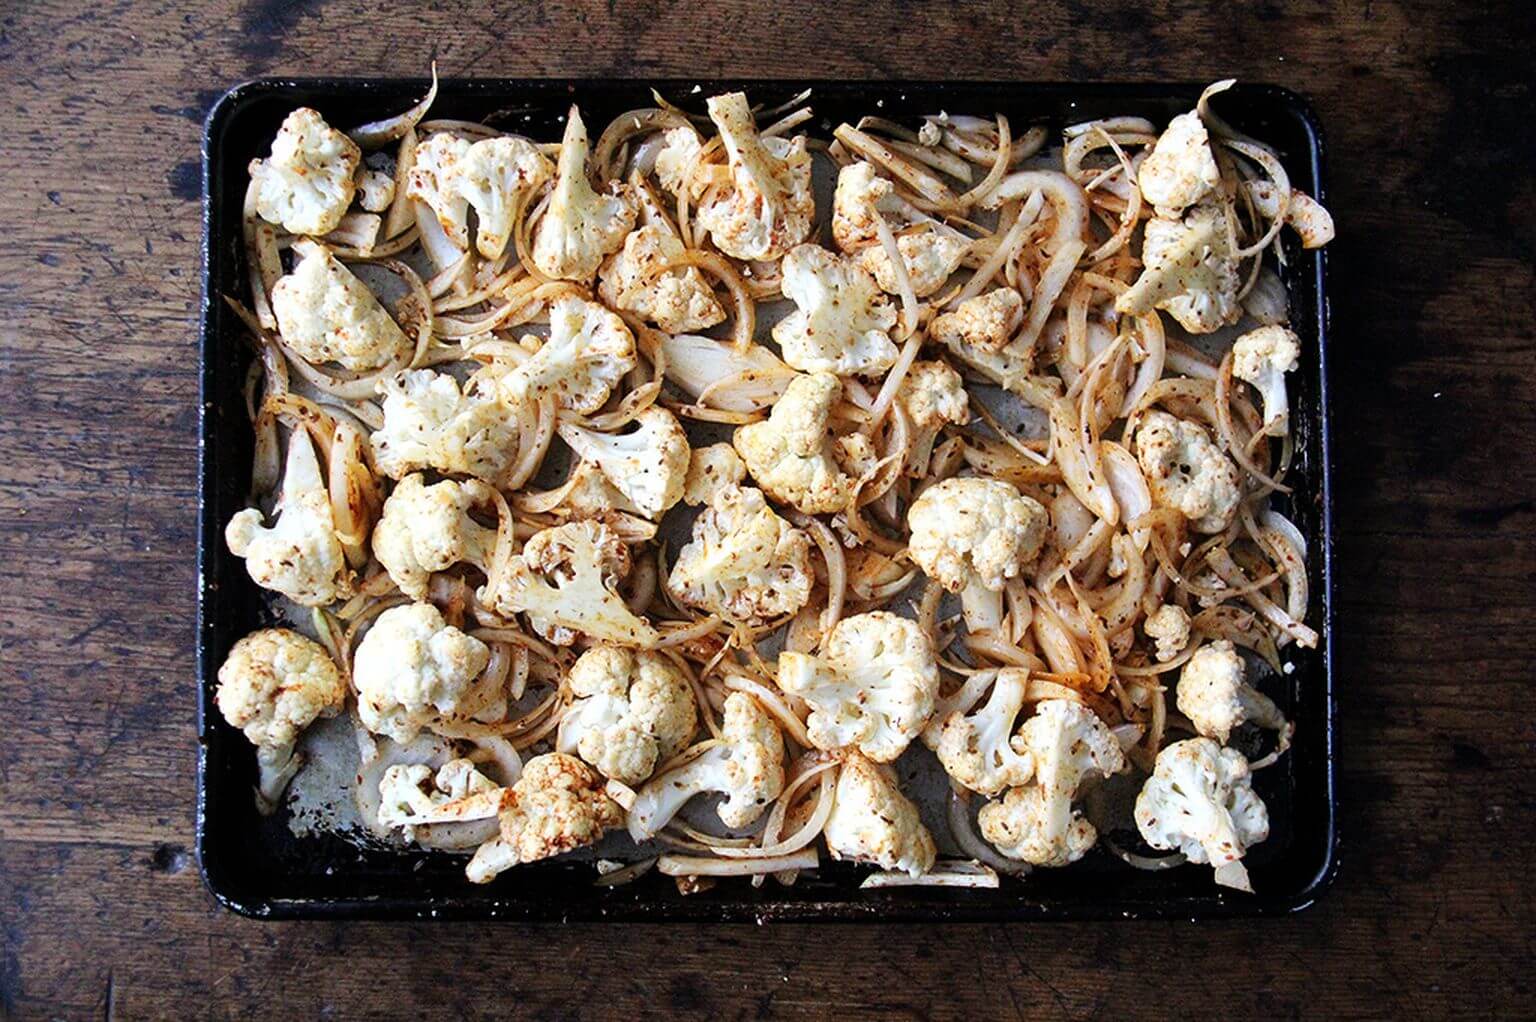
(971, 536)
(976, 749)
(325, 314)
(1168, 626)
(556, 806)
(841, 323)
(1262, 357)
(1185, 470)
(1215, 695)
(872, 686)
(747, 767)
(1200, 800)
(433, 181)
(425, 529)
(566, 581)
(414, 670)
(1180, 169)
(986, 322)
(930, 249)
(1035, 822)
(413, 795)
(744, 561)
(632, 710)
(709, 469)
(933, 395)
(300, 555)
(429, 423)
(791, 455)
(497, 176)
(580, 225)
(375, 189)
(306, 184)
(930, 252)
(1188, 270)
(677, 300)
(680, 149)
(769, 206)
(588, 351)
(648, 466)
(873, 822)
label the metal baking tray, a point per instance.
(257, 867)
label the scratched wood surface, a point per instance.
(101, 909)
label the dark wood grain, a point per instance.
(1427, 110)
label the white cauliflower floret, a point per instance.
(648, 465)
(744, 562)
(326, 314)
(747, 767)
(1168, 626)
(1200, 800)
(1215, 695)
(791, 455)
(972, 536)
(273, 684)
(556, 806)
(428, 423)
(709, 469)
(413, 670)
(497, 176)
(566, 582)
(679, 152)
(580, 225)
(873, 822)
(930, 252)
(737, 381)
(635, 279)
(434, 181)
(1036, 822)
(632, 710)
(986, 322)
(375, 189)
(1188, 270)
(588, 351)
(769, 207)
(933, 396)
(300, 556)
(1262, 357)
(1180, 169)
(305, 185)
(976, 749)
(1187, 471)
(930, 249)
(872, 687)
(412, 795)
(841, 323)
(425, 529)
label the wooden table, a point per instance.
(1427, 109)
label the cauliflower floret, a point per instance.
(632, 711)
(273, 684)
(930, 249)
(1188, 270)
(305, 185)
(933, 395)
(411, 795)
(873, 822)
(434, 181)
(1200, 800)
(1186, 471)
(1180, 169)
(930, 252)
(1036, 822)
(769, 207)
(326, 314)
(976, 751)
(581, 225)
(414, 670)
(747, 767)
(744, 562)
(300, 556)
(425, 529)
(791, 455)
(588, 351)
(984, 323)
(375, 189)
(648, 466)
(565, 581)
(428, 423)
(1262, 357)
(709, 469)
(842, 321)
(1168, 626)
(677, 300)
(680, 149)
(972, 536)
(872, 686)
(497, 176)
(556, 806)
(1216, 697)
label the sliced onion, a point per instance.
(702, 866)
(958, 873)
(963, 830)
(376, 133)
